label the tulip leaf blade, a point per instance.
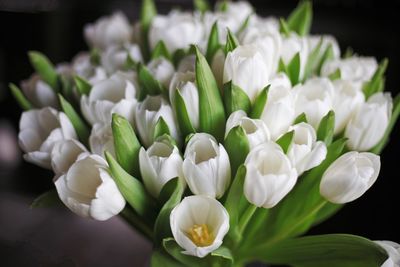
(377, 149)
(201, 5)
(293, 69)
(223, 252)
(301, 118)
(236, 140)
(326, 128)
(300, 19)
(284, 27)
(131, 189)
(259, 103)
(175, 251)
(336, 75)
(161, 50)
(45, 69)
(21, 99)
(47, 199)
(82, 85)
(231, 42)
(213, 43)
(326, 212)
(376, 84)
(161, 128)
(148, 83)
(235, 99)
(212, 113)
(324, 250)
(244, 25)
(285, 141)
(160, 258)
(182, 115)
(326, 56)
(81, 128)
(147, 12)
(126, 144)
(312, 60)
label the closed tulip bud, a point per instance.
(160, 163)
(350, 176)
(82, 65)
(40, 130)
(270, 175)
(187, 64)
(115, 57)
(199, 224)
(305, 152)
(393, 251)
(101, 139)
(148, 113)
(256, 130)
(64, 154)
(162, 70)
(88, 189)
(114, 95)
(291, 46)
(244, 62)
(206, 166)
(39, 93)
(217, 66)
(368, 125)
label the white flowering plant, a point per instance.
(221, 136)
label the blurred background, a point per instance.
(56, 237)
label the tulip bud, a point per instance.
(101, 139)
(64, 154)
(350, 176)
(242, 62)
(88, 189)
(270, 175)
(162, 70)
(39, 93)
(393, 250)
(368, 125)
(160, 163)
(199, 224)
(305, 152)
(83, 67)
(290, 47)
(256, 130)
(40, 129)
(206, 166)
(115, 57)
(148, 114)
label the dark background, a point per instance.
(56, 237)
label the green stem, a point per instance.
(134, 220)
(244, 220)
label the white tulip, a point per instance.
(262, 24)
(107, 31)
(305, 152)
(393, 250)
(148, 113)
(244, 62)
(326, 40)
(270, 175)
(355, 69)
(40, 129)
(39, 93)
(239, 10)
(64, 154)
(162, 70)
(291, 46)
(88, 189)
(185, 83)
(217, 67)
(188, 63)
(178, 30)
(314, 98)
(113, 95)
(101, 139)
(199, 224)
(160, 163)
(256, 130)
(206, 166)
(115, 57)
(350, 176)
(82, 66)
(346, 100)
(368, 125)
(279, 111)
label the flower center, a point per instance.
(200, 235)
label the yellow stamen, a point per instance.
(200, 235)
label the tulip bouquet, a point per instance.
(221, 136)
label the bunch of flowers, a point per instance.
(220, 135)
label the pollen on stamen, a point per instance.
(200, 235)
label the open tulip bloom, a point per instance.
(221, 136)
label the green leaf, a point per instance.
(313, 60)
(133, 218)
(284, 27)
(159, 258)
(95, 57)
(46, 200)
(212, 114)
(326, 212)
(201, 5)
(149, 85)
(182, 115)
(126, 144)
(45, 69)
(132, 190)
(213, 43)
(130, 63)
(67, 86)
(259, 103)
(376, 84)
(175, 251)
(300, 19)
(82, 85)
(223, 5)
(301, 118)
(147, 12)
(161, 50)
(23, 102)
(285, 141)
(223, 252)
(326, 56)
(235, 141)
(244, 25)
(326, 128)
(231, 42)
(162, 227)
(335, 75)
(82, 130)
(161, 128)
(235, 99)
(324, 250)
(377, 149)
(178, 55)
(348, 53)
(293, 69)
